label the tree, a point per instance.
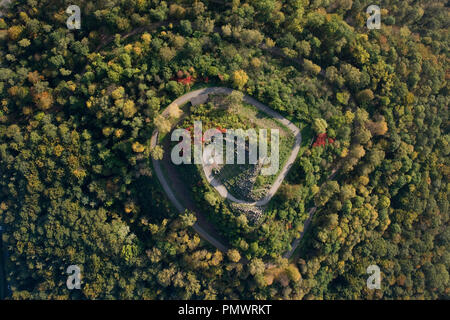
(162, 124)
(188, 220)
(212, 198)
(265, 8)
(167, 53)
(347, 192)
(176, 88)
(304, 48)
(137, 147)
(256, 267)
(43, 100)
(364, 96)
(354, 78)
(234, 255)
(177, 11)
(251, 37)
(175, 111)
(157, 152)
(320, 125)
(205, 25)
(186, 27)
(240, 78)
(14, 32)
(377, 128)
(311, 67)
(356, 152)
(326, 191)
(343, 97)
(234, 100)
(293, 273)
(291, 192)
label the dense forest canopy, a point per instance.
(77, 112)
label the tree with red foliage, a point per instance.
(322, 140)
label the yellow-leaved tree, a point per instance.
(240, 78)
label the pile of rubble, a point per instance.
(252, 213)
(247, 180)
